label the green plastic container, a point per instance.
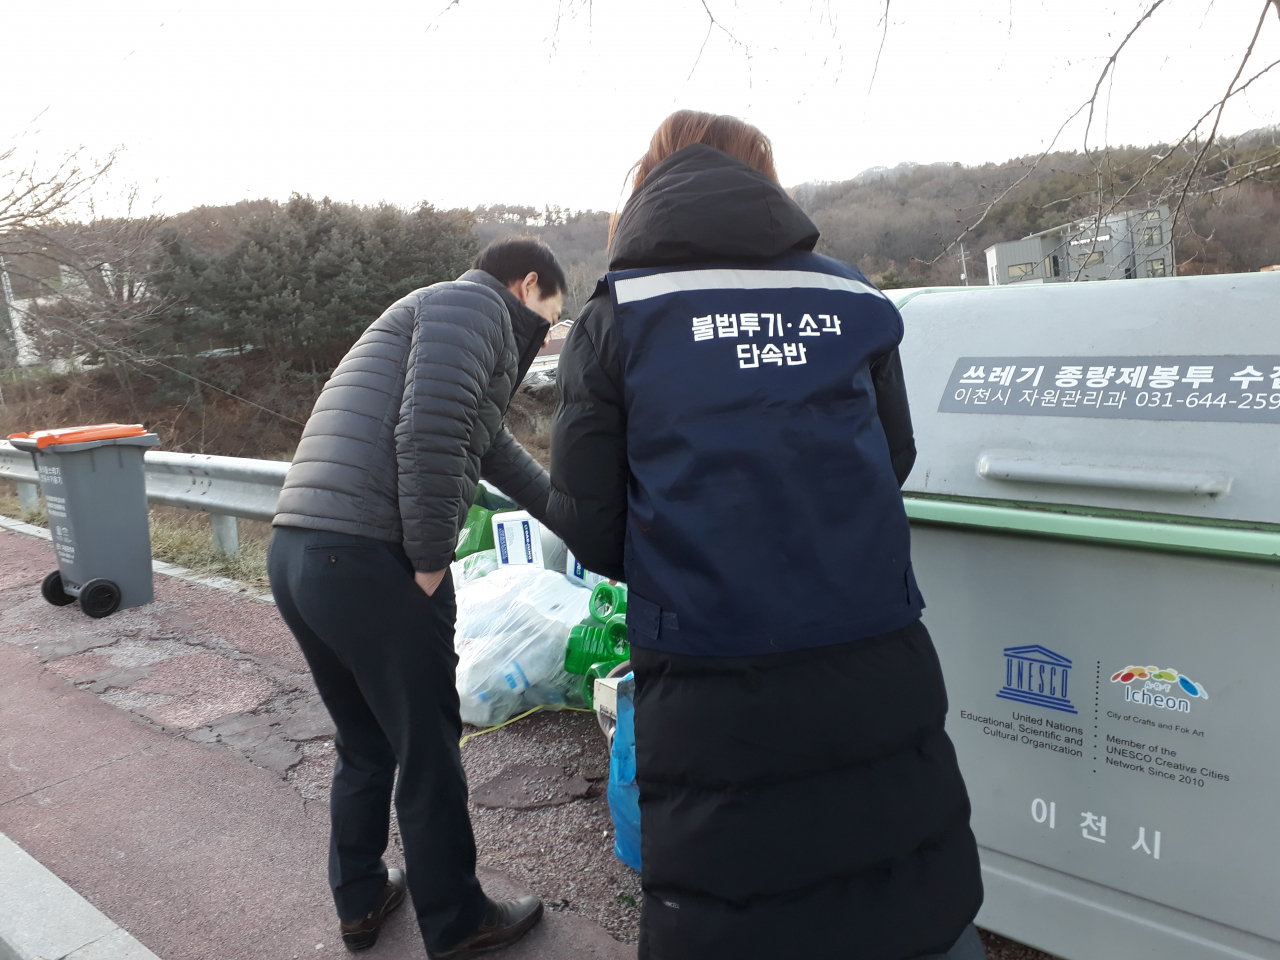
(608, 600)
(598, 670)
(599, 643)
(477, 532)
(592, 642)
(594, 649)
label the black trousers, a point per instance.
(381, 654)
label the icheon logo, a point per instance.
(1038, 676)
(1153, 687)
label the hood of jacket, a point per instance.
(703, 204)
(528, 328)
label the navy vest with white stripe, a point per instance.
(764, 514)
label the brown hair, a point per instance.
(684, 128)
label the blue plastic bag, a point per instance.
(624, 795)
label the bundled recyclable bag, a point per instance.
(512, 630)
(477, 533)
(473, 566)
(624, 795)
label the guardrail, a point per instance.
(223, 487)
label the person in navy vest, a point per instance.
(731, 441)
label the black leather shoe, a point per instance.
(363, 934)
(505, 923)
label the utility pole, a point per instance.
(6, 289)
(964, 270)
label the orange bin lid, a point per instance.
(98, 431)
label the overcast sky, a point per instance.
(539, 101)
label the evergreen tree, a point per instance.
(305, 282)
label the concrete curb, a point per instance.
(17, 526)
(41, 918)
(224, 584)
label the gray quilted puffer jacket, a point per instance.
(412, 417)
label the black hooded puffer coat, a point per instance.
(412, 418)
(797, 804)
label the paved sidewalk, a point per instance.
(169, 763)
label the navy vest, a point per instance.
(763, 512)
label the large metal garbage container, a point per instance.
(1096, 530)
(96, 498)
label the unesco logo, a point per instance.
(1037, 676)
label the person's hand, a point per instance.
(429, 582)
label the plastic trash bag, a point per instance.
(512, 629)
(491, 498)
(624, 795)
(473, 567)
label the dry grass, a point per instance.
(187, 421)
(185, 537)
(1001, 948)
(182, 537)
(10, 507)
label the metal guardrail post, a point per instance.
(226, 537)
(29, 495)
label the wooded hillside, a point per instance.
(894, 224)
(900, 221)
(220, 325)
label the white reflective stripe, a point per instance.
(660, 284)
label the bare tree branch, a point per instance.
(33, 197)
(435, 21)
(1222, 105)
(1087, 105)
(1183, 176)
(714, 24)
(883, 36)
(1248, 176)
(1160, 160)
(1110, 66)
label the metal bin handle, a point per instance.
(1032, 469)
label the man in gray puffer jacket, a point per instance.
(365, 530)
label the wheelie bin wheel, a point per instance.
(52, 590)
(99, 598)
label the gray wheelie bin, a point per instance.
(95, 493)
(1096, 529)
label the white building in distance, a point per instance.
(1121, 246)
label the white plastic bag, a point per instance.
(512, 629)
(474, 566)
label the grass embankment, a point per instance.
(182, 537)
